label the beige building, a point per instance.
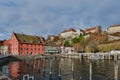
(68, 34)
(94, 30)
(113, 29)
(71, 33)
(3, 48)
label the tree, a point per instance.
(67, 43)
(78, 39)
(78, 43)
(92, 46)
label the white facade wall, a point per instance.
(4, 49)
(113, 29)
(71, 34)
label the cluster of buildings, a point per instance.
(22, 44)
(72, 33)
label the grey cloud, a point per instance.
(43, 17)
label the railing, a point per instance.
(3, 56)
(28, 77)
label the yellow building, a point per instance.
(113, 29)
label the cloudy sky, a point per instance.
(48, 17)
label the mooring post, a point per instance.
(50, 78)
(59, 76)
(72, 70)
(90, 75)
(115, 57)
(109, 56)
(116, 71)
(103, 56)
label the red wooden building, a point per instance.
(22, 44)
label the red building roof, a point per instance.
(115, 25)
(71, 29)
(23, 38)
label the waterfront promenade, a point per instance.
(107, 55)
(91, 56)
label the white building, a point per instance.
(113, 29)
(67, 50)
(70, 33)
(4, 49)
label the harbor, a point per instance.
(62, 69)
(54, 67)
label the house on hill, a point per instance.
(71, 33)
(113, 29)
(68, 34)
(93, 30)
(22, 44)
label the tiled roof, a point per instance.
(23, 38)
(6, 42)
(88, 29)
(115, 25)
(71, 29)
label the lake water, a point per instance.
(63, 69)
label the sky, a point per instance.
(50, 17)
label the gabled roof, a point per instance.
(115, 25)
(93, 28)
(23, 38)
(71, 29)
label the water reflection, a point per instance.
(14, 68)
(63, 69)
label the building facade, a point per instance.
(3, 47)
(113, 28)
(22, 44)
(68, 34)
(92, 30)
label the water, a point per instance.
(64, 69)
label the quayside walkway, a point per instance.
(3, 56)
(114, 56)
(109, 56)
